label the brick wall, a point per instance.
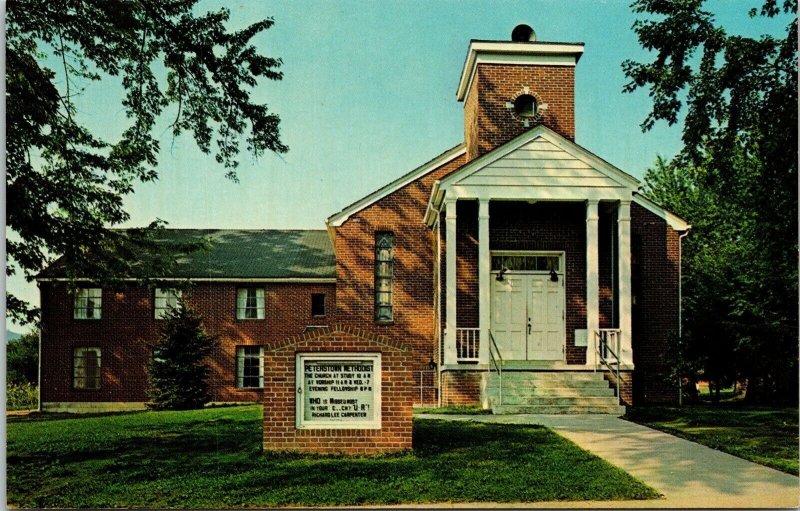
(487, 121)
(413, 295)
(460, 388)
(128, 328)
(655, 311)
(280, 432)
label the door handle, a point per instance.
(529, 325)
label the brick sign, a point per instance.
(338, 391)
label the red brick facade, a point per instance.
(413, 336)
(413, 295)
(280, 432)
(489, 123)
(127, 329)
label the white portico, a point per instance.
(530, 322)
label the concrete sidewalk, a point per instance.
(689, 475)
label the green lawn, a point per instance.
(213, 458)
(768, 436)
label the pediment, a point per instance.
(543, 162)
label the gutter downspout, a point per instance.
(680, 303)
(39, 362)
(439, 306)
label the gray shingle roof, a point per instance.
(238, 253)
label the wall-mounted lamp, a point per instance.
(553, 276)
(503, 270)
(431, 365)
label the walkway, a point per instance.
(686, 473)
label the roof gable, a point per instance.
(541, 157)
(341, 217)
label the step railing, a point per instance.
(497, 363)
(607, 354)
(468, 344)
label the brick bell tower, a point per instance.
(509, 87)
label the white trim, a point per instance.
(338, 219)
(541, 131)
(377, 384)
(673, 220)
(519, 53)
(280, 280)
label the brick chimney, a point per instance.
(509, 87)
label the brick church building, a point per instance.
(525, 273)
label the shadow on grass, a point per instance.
(214, 459)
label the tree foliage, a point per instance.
(735, 181)
(66, 184)
(22, 359)
(178, 371)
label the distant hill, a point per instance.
(10, 336)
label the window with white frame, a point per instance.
(88, 303)
(384, 275)
(250, 303)
(86, 368)
(250, 367)
(166, 299)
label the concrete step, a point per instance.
(604, 391)
(546, 384)
(552, 401)
(614, 409)
(555, 375)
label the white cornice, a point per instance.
(673, 220)
(546, 54)
(266, 280)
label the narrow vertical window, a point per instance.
(250, 303)
(384, 274)
(88, 303)
(165, 300)
(250, 367)
(86, 368)
(318, 305)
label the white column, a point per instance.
(484, 282)
(451, 289)
(592, 279)
(624, 272)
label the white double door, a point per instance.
(528, 316)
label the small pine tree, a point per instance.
(177, 371)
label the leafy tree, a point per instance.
(22, 359)
(178, 372)
(740, 152)
(65, 184)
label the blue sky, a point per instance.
(369, 94)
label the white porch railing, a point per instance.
(467, 344)
(607, 353)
